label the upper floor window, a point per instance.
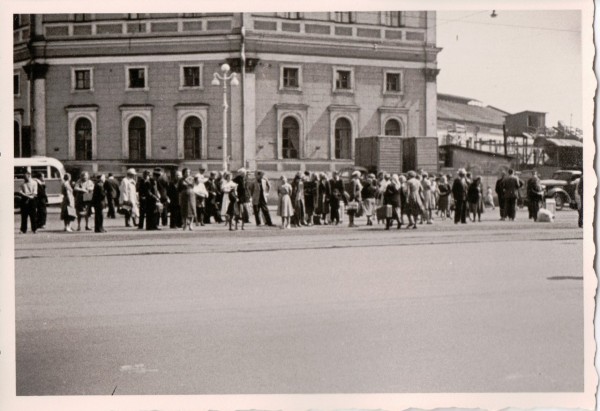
(293, 15)
(137, 78)
(16, 21)
(393, 82)
(344, 17)
(343, 79)
(290, 77)
(82, 17)
(393, 18)
(190, 76)
(81, 79)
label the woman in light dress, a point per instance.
(226, 187)
(201, 195)
(428, 197)
(187, 199)
(83, 199)
(356, 196)
(68, 203)
(285, 209)
(414, 203)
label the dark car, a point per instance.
(561, 187)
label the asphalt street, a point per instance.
(482, 307)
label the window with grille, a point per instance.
(137, 139)
(83, 79)
(192, 135)
(343, 139)
(290, 141)
(393, 18)
(290, 77)
(344, 16)
(83, 139)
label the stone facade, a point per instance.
(309, 85)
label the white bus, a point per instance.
(52, 170)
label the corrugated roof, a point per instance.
(563, 142)
(461, 112)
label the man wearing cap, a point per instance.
(128, 199)
(511, 193)
(174, 206)
(28, 192)
(211, 200)
(260, 195)
(149, 200)
(459, 193)
(162, 186)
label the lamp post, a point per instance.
(234, 82)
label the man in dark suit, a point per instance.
(260, 194)
(162, 186)
(99, 202)
(111, 187)
(174, 207)
(511, 194)
(459, 193)
(211, 200)
(500, 193)
(337, 196)
(149, 193)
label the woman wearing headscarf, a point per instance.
(369, 192)
(428, 197)
(475, 199)
(392, 197)
(444, 197)
(187, 199)
(67, 207)
(414, 203)
(285, 209)
(323, 194)
(355, 196)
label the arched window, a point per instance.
(393, 128)
(290, 141)
(137, 139)
(83, 139)
(17, 140)
(343, 139)
(192, 136)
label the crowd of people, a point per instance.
(186, 201)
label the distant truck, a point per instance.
(395, 154)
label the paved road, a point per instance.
(489, 307)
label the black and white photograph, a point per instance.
(231, 206)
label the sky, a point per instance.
(519, 60)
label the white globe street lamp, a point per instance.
(234, 82)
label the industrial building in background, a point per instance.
(104, 92)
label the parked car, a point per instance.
(561, 187)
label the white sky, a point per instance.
(506, 63)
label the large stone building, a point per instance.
(107, 91)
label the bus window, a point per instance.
(20, 173)
(54, 173)
(43, 170)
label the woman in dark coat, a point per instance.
(393, 196)
(475, 199)
(310, 196)
(323, 194)
(444, 197)
(187, 199)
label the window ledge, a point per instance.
(290, 90)
(190, 88)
